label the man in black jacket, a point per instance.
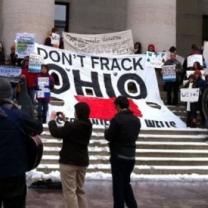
(74, 157)
(122, 135)
(13, 158)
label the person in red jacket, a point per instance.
(31, 79)
(45, 84)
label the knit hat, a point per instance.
(5, 89)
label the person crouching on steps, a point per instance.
(74, 157)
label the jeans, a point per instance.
(122, 191)
(13, 192)
(172, 89)
(42, 110)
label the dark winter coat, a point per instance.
(12, 140)
(76, 136)
(122, 134)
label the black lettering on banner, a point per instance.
(79, 84)
(108, 85)
(104, 62)
(137, 63)
(64, 76)
(123, 64)
(54, 56)
(159, 124)
(66, 60)
(42, 52)
(81, 57)
(121, 86)
(94, 60)
(115, 65)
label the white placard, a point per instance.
(194, 58)
(189, 95)
(55, 39)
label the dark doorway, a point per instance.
(62, 16)
(205, 28)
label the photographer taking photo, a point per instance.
(74, 157)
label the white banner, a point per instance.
(189, 95)
(205, 52)
(194, 58)
(97, 80)
(110, 43)
(156, 60)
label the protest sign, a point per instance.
(169, 73)
(155, 60)
(191, 72)
(43, 86)
(10, 71)
(98, 79)
(189, 95)
(24, 44)
(55, 39)
(194, 58)
(35, 62)
(110, 43)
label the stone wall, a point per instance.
(33, 16)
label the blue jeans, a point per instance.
(122, 191)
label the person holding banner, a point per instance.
(45, 84)
(122, 135)
(172, 84)
(2, 55)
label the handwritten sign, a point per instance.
(194, 58)
(43, 85)
(118, 43)
(169, 73)
(189, 95)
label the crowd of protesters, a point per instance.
(196, 79)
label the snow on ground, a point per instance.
(54, 176)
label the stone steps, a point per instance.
(159, 152)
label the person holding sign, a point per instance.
(172, 78)
(45, 84)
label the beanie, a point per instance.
(5, 89)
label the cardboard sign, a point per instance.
(24, 44)
(35, 63)
(155, 60)
(194, 58)
(169, 73)
(190, 95)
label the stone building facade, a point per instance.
(162, 22)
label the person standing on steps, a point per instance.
(122, 135)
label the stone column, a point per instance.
(32, 16)
(153, 22)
